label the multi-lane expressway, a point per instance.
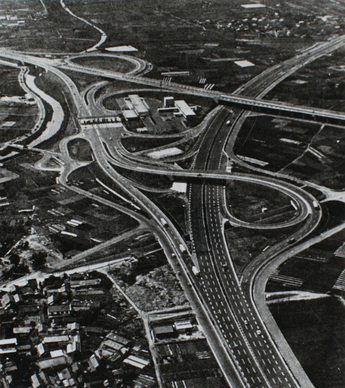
(245, 349)
(214, 247)
(220, 285)
(208, 228)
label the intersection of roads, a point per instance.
(249, 350)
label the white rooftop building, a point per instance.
(138, 104)
(253, 5)
(244, 63)
(184, 108)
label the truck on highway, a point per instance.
(266, 247)
(293, 204)
(182, 248)
(316, 205)
(164, 222)
(195, 270)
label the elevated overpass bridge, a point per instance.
(279, 108)
(249, 103)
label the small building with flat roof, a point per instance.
(244, 63)
(184, 108)
(183, 73)
(54, 339)
(6, 351)
(183, 325)
(52, 363)
(22, 330)
(130, 114)
(118, 338)
(137, 362)
(138, 104)
(165, 153)
(253, 6)
(35, 382)
(8, 342)
(121, 49)
(56, 353)
(163, 331)
(169, 102)
(112, 345)
(58, 311)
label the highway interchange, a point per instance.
(249, 351)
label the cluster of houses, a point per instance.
(48, 327)
(11, 21)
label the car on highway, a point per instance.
(195, 270)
